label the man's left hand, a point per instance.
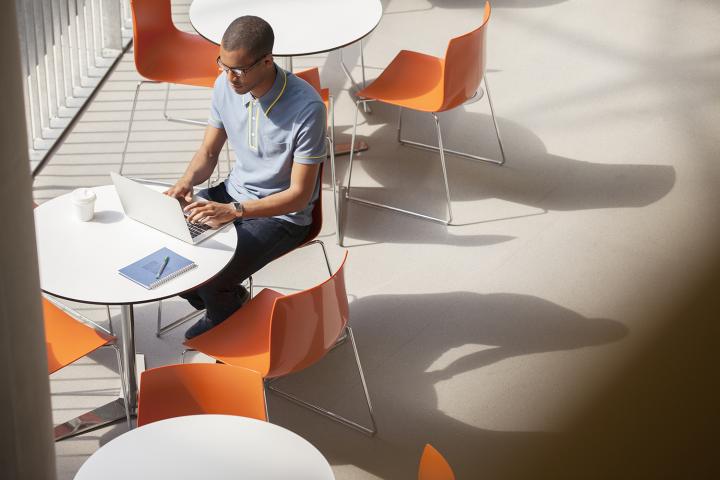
(213, 214)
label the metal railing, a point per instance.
(67, 49)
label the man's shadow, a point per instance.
(407, 356)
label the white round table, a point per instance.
(80, 260)
(301, 27)
(217, 447)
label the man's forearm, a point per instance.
(281, 203)
(201, 166)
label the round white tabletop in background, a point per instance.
(217, 447)
(301, 27)
(80, 260)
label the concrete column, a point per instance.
(26, 440)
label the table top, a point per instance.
(80, 260)
(301, 27)
(218, 447)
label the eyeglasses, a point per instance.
(239, 71)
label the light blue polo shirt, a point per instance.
(288, 124)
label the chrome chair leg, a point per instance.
(333, 179)
(159, 319)
(349, 76)
(110, 324)
(492, 113)
(464, 155)
(322, 245)
(396, 209)
(132, 117)
(188, 121)
(444, 168)
(352, 143)
(334, 416)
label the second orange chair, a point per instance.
(165, 54)
(276, 335)
(430, 84)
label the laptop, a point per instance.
(159, 211)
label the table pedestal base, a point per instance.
(101, 416)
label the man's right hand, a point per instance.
(182, 190)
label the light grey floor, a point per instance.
(486, 338)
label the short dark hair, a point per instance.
(250, 33)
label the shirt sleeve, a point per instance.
(215, 119)
(311, 143)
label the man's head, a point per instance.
(246, 48)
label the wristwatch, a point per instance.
(238, 207)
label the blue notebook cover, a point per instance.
(145, 271)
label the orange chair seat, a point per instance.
(67, 339)
(412, 80)
(244, 338)
(181, 58)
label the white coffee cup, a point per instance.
(83, 200)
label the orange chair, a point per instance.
(433, 466)
(165, 54)
(177, 390)
(68, 340)
(430, 84)
(276, 334)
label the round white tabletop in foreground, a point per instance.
(80, 260)
(301, 27)
(217, 447)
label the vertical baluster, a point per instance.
(47, 31)
(39, 65)
(62, 54)
(24, 45)
(81, 40)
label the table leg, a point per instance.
(127, 323)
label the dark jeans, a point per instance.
(260, 241)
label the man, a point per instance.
(276, 123)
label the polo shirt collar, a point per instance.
(271, 97)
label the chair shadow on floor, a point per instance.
(424, 341)
(532, 182)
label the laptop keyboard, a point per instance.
(197, 228)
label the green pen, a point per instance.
(162, 268)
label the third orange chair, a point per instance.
(430, 84)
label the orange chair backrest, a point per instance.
(433, 466)
(464, 65)
(312, 76)
(200, 388)
(317, 216)
(306, 325)
(152, 26)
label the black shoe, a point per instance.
(201, 326)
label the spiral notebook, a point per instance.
(153, 270)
